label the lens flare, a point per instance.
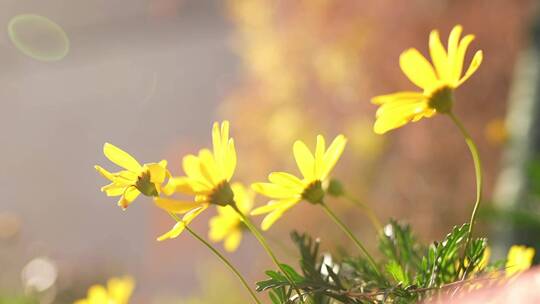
(38, 37)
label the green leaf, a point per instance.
(292, 273)
(397, 272)
(442, 261)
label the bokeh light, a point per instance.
(38, 37)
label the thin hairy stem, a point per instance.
(478, 171)
(368, 210)
(349, 233)
(221, 258)
(266, 248)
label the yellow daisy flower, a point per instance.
(117, 291)
(135, 179)
(438, 80)
(207, 179)
(286, 190)
(227, 225)
(519, 259)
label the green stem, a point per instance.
(367, 209)
(349, 233)
(222, 258)
(266, 247)
(478, 172)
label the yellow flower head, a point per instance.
(134, 179)
(519, 259)
(286, 190)
(437, 80)
(207, 179)
(226, 225)
(117, 291)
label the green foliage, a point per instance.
(411, 271)
(439, 264)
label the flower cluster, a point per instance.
(207, 181)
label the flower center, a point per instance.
(144, 185)
(314, 192)
(442, 100)
(222, 195)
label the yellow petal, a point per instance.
(399, 116)
(120, 289)
(97, 294)
(209, 168)
(391, 108)
(174, 232)
(233, 240)
(332, 155)
(319, 157)
(223, 224)
(286, 180)
(108, 175)
(418, 69)
(221, 142)
(269, 207)
(178, 184)
(190, 164)
(158, 172)
(453, 44)
(460, 57)
(218, 229)
(179, 227)
(188, 217)
(475, 64)
(175, 206)
(519, 259)
(192, 168)
(224, 132)
(126, 176)
(216, 141)
(114, 189)
(438, 55)
(129, 196)
(121, 158)
(275, 191)
(304, 160)
(397, 97)
(121, 179)
(271, 218)
(230, 160)
(244, 198)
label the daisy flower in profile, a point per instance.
(437, 79)
(207, 179)
(117, 291)
(287, 190)
(227, 225)
(134, 179)
(519, 259)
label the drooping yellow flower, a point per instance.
(117, 291)
(227, 225)
(286, 190)
(438, 80)
(207, 179)
(519, 259)
(134, 179)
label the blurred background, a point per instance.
(151, 76)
